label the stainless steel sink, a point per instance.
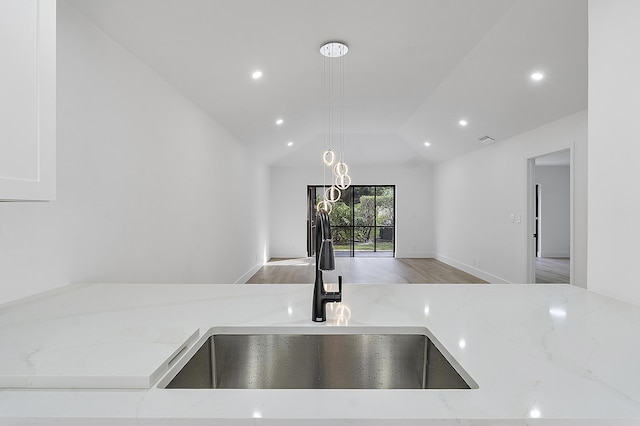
(312, 360)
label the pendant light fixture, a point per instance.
(334, 52)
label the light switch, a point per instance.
(512, 217)
(519, 218)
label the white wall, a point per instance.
(476, 194)
(554, 222)
(414, 206)
(150, 188)
(614, 148)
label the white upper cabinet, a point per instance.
(27, 99)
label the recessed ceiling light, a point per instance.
(256, 74)
(427, 144)
(537, 76)
(290, 143)
(463, 122)
(279, 121)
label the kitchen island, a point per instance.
(540, 354)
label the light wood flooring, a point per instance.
(364, 270)
(552, 270)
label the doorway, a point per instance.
(362, 221)
(550, 239)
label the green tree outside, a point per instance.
(372, 206)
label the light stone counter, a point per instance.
(540, 354)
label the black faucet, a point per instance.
(325, 261)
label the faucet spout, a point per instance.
(325, 261)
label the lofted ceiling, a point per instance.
(414, 69)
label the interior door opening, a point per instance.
(551, 226)
(362, 221)
(537, 214)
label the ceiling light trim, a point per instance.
(334, 49)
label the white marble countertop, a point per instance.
(92, 354)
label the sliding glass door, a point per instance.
(362, 222)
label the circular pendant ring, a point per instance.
(332, 194)
(329, 157)
(340, 169)
(324, 206)
(343, 181)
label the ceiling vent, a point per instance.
(486, 140)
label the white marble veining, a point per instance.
(539, 353)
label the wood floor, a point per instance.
(364, 270)
(552, 270)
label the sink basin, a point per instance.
(240, 358)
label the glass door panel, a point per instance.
(342, 240)
(385, 206)
(364, 241)
(385, 240)
(362, 221)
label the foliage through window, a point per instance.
(362, 221)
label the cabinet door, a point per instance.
(27, 99)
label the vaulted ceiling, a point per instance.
(414, 69)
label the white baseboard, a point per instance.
(251, 272)
(399, 255)
(288, 255)
(413, 255)
(555, 254)
(472, 270)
